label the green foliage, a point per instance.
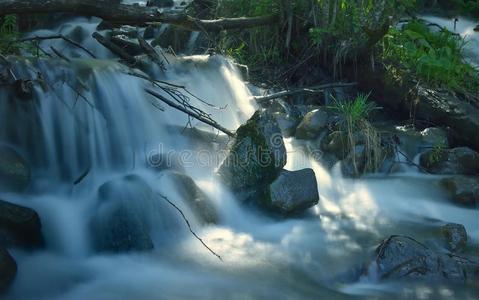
(354, 124)
(356, 111)
(437, 153)
(434, 57)
(8, 34)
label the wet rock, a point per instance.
(8, 270)
(461, 160)
(14, 171)
(160, 3)
(476, 29)
(121, 222)
(312, 124)
(455, 236)
(256, 156)
(463, 190)
(196, 199)
(401, 257)
(19, 226)
(293, 192)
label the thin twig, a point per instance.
(189, 226)
(54, 37)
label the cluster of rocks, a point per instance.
(254, 170)
(328, 141)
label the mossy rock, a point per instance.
(458, 161)
(256, 156)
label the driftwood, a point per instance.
(310, 90)
(129, 14)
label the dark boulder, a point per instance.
(257, 155)
(8, 270)
(292, 192)
(401, 257)
(15, 173)
(19, 226)
(458, 161)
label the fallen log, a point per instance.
(130, 14)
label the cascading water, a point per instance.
(79, 143)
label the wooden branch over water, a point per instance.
(129, 14)
(309, 90)
(191, 113)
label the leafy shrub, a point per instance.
(436, 58)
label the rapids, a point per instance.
(117, 130)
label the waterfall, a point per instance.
(92, 134)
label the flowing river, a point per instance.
(115, 129)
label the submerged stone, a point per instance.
(19, 226)
(257, 155)
(120, 223)
(293, 192)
